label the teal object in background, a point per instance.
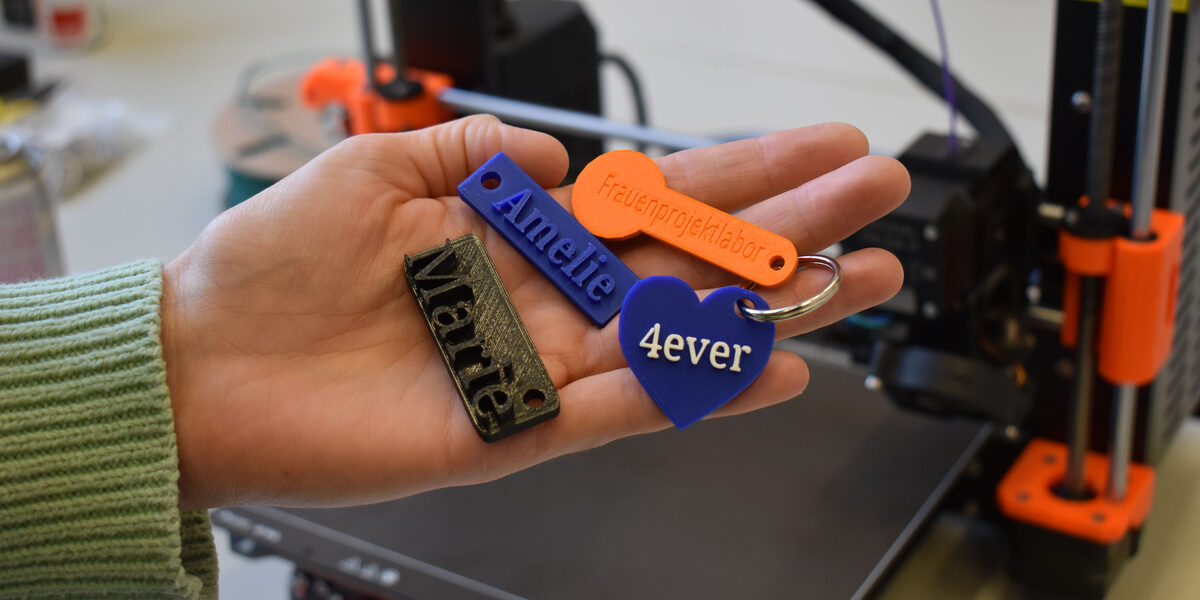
(242, 187)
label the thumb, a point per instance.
(431, 162)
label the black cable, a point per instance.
(926, 71)
(635, 89)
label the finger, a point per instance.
(788, 380)
(431, 162)
(869, 277)
(813, 216)
(737, 174)
(835, 205)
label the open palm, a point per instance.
(301, 372)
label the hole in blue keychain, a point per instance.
(692, 356)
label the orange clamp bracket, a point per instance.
(344, 82)
(1137, 321)
(622, 193)
(1026, 494)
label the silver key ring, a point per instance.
(804, 306)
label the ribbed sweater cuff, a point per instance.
(88, 465)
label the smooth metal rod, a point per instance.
(1149, 131)
(566, 121)
(1145, 186)
(1124, 402)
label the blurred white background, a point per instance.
(707, 68)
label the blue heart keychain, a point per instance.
(691, 356)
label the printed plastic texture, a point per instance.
(495, 367)
(623, 193)
(573, 259)
(691, 356)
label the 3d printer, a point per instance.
(1016, 297)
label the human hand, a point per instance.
(302, 374)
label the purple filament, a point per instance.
(947, 81)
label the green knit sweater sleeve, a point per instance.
(88, 466)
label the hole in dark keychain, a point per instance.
(804, 306)
(533, 399)
(490, 180)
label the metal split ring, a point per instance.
(804, 306)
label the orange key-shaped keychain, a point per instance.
(622, 193)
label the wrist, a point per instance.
(174, 345)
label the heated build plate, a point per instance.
(807, 499)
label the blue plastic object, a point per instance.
(691, 356)
(586, 272)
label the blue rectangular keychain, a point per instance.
(565, 252)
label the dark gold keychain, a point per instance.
(495, 367)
